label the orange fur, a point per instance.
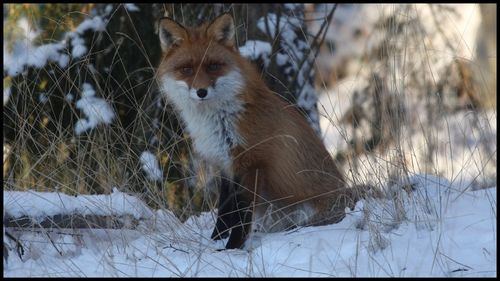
(292, 162)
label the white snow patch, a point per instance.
(253, 49)
(271, 20)
(6, 95)
(291, 6)
(131, 7)
(79, 48)
(108, 9)
(87, 90)
(462, 242)
(29, 33)
(96, 110)
(282, 59)
(40, 205)
(25, 55)
(96, 23)
(306, 99)
(63, 60)
(69, 97)
(151, 166)
(286, 25)
(43, 98)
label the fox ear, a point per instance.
(171, 33)
(222, 29)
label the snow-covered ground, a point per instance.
(444, 232)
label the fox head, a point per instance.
(199, 67)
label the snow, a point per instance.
(69, 97)
(465, 148)
(96, 110)
(28, 31)
(131, 7)
(282, 59)
(151, 166)
(6, 95)
(455, 235)
(440, 25)
(291, 54)
(271, 20)
(96, 23)
(108, 9)
(253, 49)
(39, 205)
(79, 48)
(43, 98)
(286, 25)
(26, 55)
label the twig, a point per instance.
(175, 249)
(19, 246)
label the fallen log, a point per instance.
(73, 221)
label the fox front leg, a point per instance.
(243, 217)
(226, 213)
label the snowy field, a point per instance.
(445, 233)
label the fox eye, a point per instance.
(213, 67)
(187, 70)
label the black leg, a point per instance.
(241, 230)
(226, 217)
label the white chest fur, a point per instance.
(214, 133)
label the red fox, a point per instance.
(278, 173)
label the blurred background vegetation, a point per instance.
(43, 153)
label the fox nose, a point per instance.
(201, 93)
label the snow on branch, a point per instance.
(96, 110)
(255, 49)
(54, 209)
(24, 54)
(151, 166)
(294, 55)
